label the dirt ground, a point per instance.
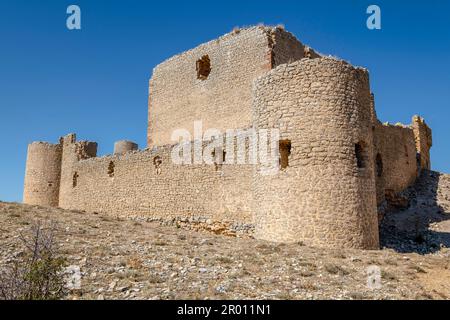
(127, 259)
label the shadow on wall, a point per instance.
(424, 226)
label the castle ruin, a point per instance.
(337, 162)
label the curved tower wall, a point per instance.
(326, 195)
(123, 146)
(42, 175)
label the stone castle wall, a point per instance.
(147, 183)
(334, 162)
(395, 154)
(322, 107)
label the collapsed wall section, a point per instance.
(324, 193)
(283, 47)
(42, 175)
(424, 141)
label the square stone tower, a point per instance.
(213, 82)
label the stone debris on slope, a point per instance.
(424, 225)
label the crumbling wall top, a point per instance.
(236, 31)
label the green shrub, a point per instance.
(38, 273)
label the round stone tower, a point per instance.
(121, 147)
(43, 174)
(323, 192)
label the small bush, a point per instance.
(335, 269)
(38, 274)
(418, 269)
(225, 260)
(358, 296)
(306, 273)
(388, 275)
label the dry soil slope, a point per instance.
(124, 259)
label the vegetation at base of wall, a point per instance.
(38, 272)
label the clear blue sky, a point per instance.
(95, 81)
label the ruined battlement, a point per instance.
(424, 141)
(332, 165)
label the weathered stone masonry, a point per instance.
(337, 161)
(43, 174)
(224, 100)
(324, 111)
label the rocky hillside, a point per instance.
(423, 225)
(125, 259)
